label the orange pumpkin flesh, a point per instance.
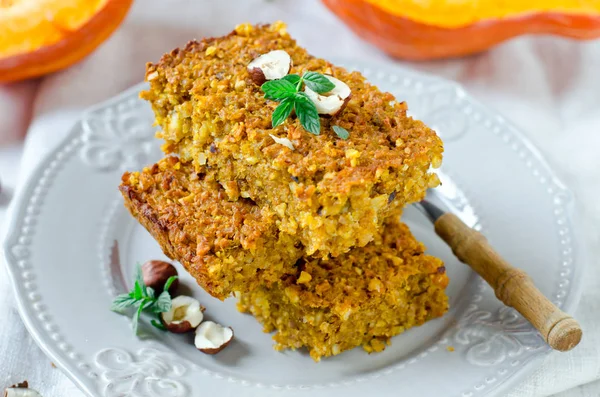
(405, 38)
(42, 36)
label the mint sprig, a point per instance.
(287, 90)
(144, 298)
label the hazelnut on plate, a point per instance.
(211, 337)
(156, 273)
(21, 390)
(184, 316)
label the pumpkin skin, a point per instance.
(69, 49)
(404, 38)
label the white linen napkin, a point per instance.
(547, 86)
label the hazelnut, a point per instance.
(211, 337)
(184, 316)
(270, 66)
(257, 76)
(156, 273)
(331, 102)
(21, 390)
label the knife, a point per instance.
(511, 285)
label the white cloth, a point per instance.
(549, 87)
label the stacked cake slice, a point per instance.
(304, 227)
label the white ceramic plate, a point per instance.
(66, 268)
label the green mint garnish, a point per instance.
(278, 89)
(158, 325)
(162, 303)
(122, 302)
(282, 111)
(287, 91)
(317, 82)
(307, 113)
(144, 299)
(169, 282)
(341, 132)
(292, 78)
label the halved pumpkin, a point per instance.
(42, 36)
(422, 30)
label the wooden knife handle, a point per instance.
(511, 285)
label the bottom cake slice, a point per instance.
(361, 298)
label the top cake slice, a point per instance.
(333, 193)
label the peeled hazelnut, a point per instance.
(331, 102)
(184, 316)
(156, 274)
(21, 390)
(270, 66)
(211, 337)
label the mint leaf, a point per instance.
(122, 302)
(307, 113)
(138, 290)
(163, 303)
(292, 78)
(158, 324)
(136, 319)
(317, 82)
(282, 111)
(146, 303)
(278, 89)
(341, 132)
(170, 281)
(139, 276)
(150, 292)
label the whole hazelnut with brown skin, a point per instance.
(156, 273)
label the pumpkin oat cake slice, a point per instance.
(333, 194)
(226, 246)
(361, 298)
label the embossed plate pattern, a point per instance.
(71, 246)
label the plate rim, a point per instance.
(68, 367)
